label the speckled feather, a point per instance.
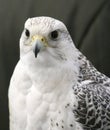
(58, 90)
(93, 110)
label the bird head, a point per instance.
(44, 38)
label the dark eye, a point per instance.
(54, 34)
(27, 33)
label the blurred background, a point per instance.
(88, 22)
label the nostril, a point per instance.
(42, 39)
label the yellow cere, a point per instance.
(40, 38)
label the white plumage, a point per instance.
(54, 87)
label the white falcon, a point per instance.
(54, 86)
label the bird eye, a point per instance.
(27, 33)
(54, 35)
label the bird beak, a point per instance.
(38, 42)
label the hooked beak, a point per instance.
(36, 50)
(38, 42)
